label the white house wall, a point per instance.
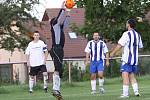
(20, 70)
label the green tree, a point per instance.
(19, 11)
(109, 17)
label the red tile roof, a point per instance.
(74, 48)
(77, 15)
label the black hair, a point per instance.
(36, 31)
(100, 34)
(132, 23)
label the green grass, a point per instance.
(76, 91)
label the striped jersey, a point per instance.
(97, 50)
(131, 41)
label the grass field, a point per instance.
(76, 91)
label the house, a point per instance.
(73, 49)
(74, 45)
(13, 71)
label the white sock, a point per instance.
(101, 82)
(45, 79)
(135, 87)
(31, 83)
(93, 85)
(56, 82)
(125, 90)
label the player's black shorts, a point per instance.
(36, 69)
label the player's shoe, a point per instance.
(101, 90)
(93, 92)
(123, 96)
(57, 94)
(45, 90)
(137, 94)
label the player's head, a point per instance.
(96, 36)
(131, 23)
(36, 35)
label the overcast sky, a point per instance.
(38, 11)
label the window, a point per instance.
(72, 35)
(6, 73)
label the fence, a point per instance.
(18, 71)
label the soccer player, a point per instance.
(58, 24)
(130, 42)
(36, 55)
(97, 50)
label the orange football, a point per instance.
(69, 4)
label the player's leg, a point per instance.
(125, 69)
(45, 77)
(93, 72)
(32, 73)
(101, 82)
(93, 83)
(100, 69)
(56, 83)
(125, 77)
(58, 58)
(56, 78)
(31, 83)
(61, 56)
(134, 81)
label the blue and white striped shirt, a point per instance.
(97, 50)
(131, 41)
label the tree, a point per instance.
(14, 12)
(109, 17)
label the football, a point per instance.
(69, 4)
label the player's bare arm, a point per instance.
(107, 59)
(46, 55)
(87, 59)
(28, 61)
(118, 47)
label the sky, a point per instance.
(39, 9)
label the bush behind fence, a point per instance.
(110, 72)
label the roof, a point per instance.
(77, 15)
(73, 48)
